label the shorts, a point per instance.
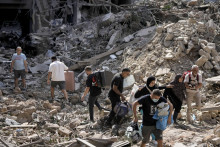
(147, 130)
(60, 83)
(19, 73)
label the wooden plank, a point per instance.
(23, 126)
(85, 142)
(64, 143)
(4, 143)
(94, 59)
(211, 108)
(122, 144)
(40, 141)
(213, 79)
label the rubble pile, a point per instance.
(187, 41)
(88, 38)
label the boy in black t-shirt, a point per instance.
(95, 91)
(149, 104)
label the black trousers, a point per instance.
(92, 101)
(114, 101)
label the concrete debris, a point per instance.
(64, 131)
(162, 71)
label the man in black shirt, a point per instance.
(116, 92)
(95, 91)
(149, 103)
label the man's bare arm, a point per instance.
(115, 89)
(135, 104)
(49, 77)
(85, 93)
(171, 112)
(12, 65)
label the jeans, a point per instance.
(92, 101)
(114, 101)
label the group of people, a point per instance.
(183, 87)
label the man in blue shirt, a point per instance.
(19, 66)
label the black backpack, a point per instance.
(103, 78)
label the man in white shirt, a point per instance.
(56, 74)
(193, 82)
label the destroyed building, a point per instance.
(109, 35)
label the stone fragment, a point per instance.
(108, 19)
(192, 3)
(3, 109)
(30, 110)
(47, 105)
(137, 75)
(74, 123)
(114, 38)
(201, 61)
(169, 56)
(74, 99)
(190, 47)
(83, 134)
(208, 65)
(128, 38)
(169, 37)
(23, 117)
(162, 71)
(211, 25)
(206, 116)
(51, 127)
(129, 81)
(216, 141)
(167, 43)
(159, 29)
(53, 112)
(17, 90)
(145, 32)
(217, 131)
(64, 131)
(181, 46)
(33, 137)
(58, 108)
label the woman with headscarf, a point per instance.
(176, 95)
(150, 86)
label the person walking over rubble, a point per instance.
(57, 77)
(176, 95)
(193, 82)
(150, 86)
(95, 91)
(19, 66)
(149, 103)
(115, 94)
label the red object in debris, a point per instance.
(70, 81)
